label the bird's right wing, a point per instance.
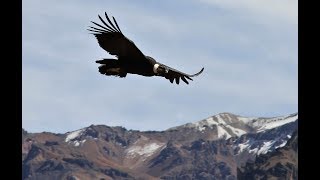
(173, 74)
(111, 39)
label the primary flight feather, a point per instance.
(129, 58)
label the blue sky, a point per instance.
(249, 50)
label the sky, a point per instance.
(248, 48)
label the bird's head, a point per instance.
(158, 69)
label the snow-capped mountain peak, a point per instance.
(229, 125)
(219, 119)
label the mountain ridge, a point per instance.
(182, 152)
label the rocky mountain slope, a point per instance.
(279, 164)
(214, 148)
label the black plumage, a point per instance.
(129, 58)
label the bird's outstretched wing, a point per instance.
(111, 39)
(173, 74)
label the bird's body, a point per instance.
(126, 65)
(129, 58)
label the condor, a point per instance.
(129, 58)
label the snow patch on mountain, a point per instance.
(74, 134)
(144, 150)
(78, 143)
(260, 149)
(238, 132)
(210, 121)
(243, 146)
(246, 119)
(255, 150)
(223, 133)
(220, 120)
(201, 125)
(261, 145)
(281, 145)
(265, 147)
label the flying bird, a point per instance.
(129, 58)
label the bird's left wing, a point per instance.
(173, 74)
(111, 39)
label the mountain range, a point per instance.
(223, 146)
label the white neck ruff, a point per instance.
(155, 68)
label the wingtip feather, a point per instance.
(198, 73)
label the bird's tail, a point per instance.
(111, 67)
(109, 62)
